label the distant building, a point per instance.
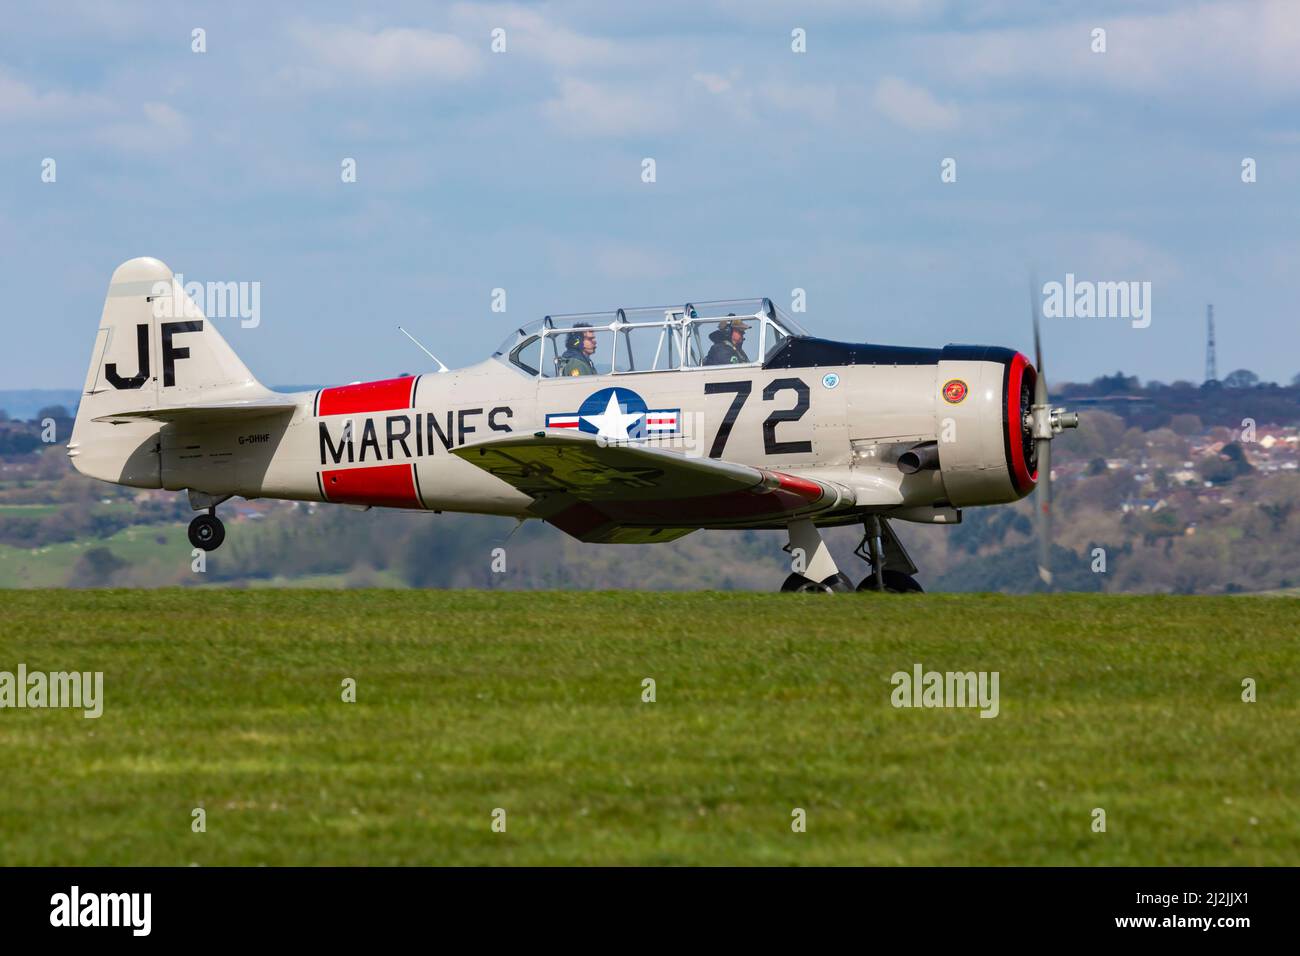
(1141, 505)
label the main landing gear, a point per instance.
(207, 532)
(872, 549)
(816, 572)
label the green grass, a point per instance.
(137, 546)
(469, 701)
(28, 511)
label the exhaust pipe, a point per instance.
(922, 457)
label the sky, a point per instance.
(774, 170)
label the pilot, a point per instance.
(579, 347)
(728, 342)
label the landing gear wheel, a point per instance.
(896, 582)
(207, 532)
(835, 584)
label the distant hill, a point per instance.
(23, 404)
(1156, 405)
(1161, 489)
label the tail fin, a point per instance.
(155, 349)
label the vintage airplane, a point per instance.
(633, 426)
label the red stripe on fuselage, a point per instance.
(382, 396)
(384, 486)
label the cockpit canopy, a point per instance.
(656, 339)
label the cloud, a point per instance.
(1224, 48)
(19, 100)
(748, 102)
(594, 109)
(729, 99)
(162, 128)
(713, 82)
(531, 35)
(912, 107)
(394, 56)
(833, 12)
(814, 100)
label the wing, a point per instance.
(614, 492)
(211, 412)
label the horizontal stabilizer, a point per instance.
(198, 414)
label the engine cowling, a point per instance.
(986, 446)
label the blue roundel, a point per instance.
(624, 416)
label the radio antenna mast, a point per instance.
(1211, 374)
(441, 368)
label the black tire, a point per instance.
(896, 582)
(840, 583)
(835, 584)
(207, 532)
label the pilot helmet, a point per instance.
(574, 339)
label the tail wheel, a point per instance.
(207, 532)
(835, 584)
(896, 582)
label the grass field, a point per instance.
(162, 548)
(531, 702)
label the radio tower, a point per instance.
(1210, 374)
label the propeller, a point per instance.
(1046, 423)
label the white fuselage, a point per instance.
(845, 424)
(168, 404)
